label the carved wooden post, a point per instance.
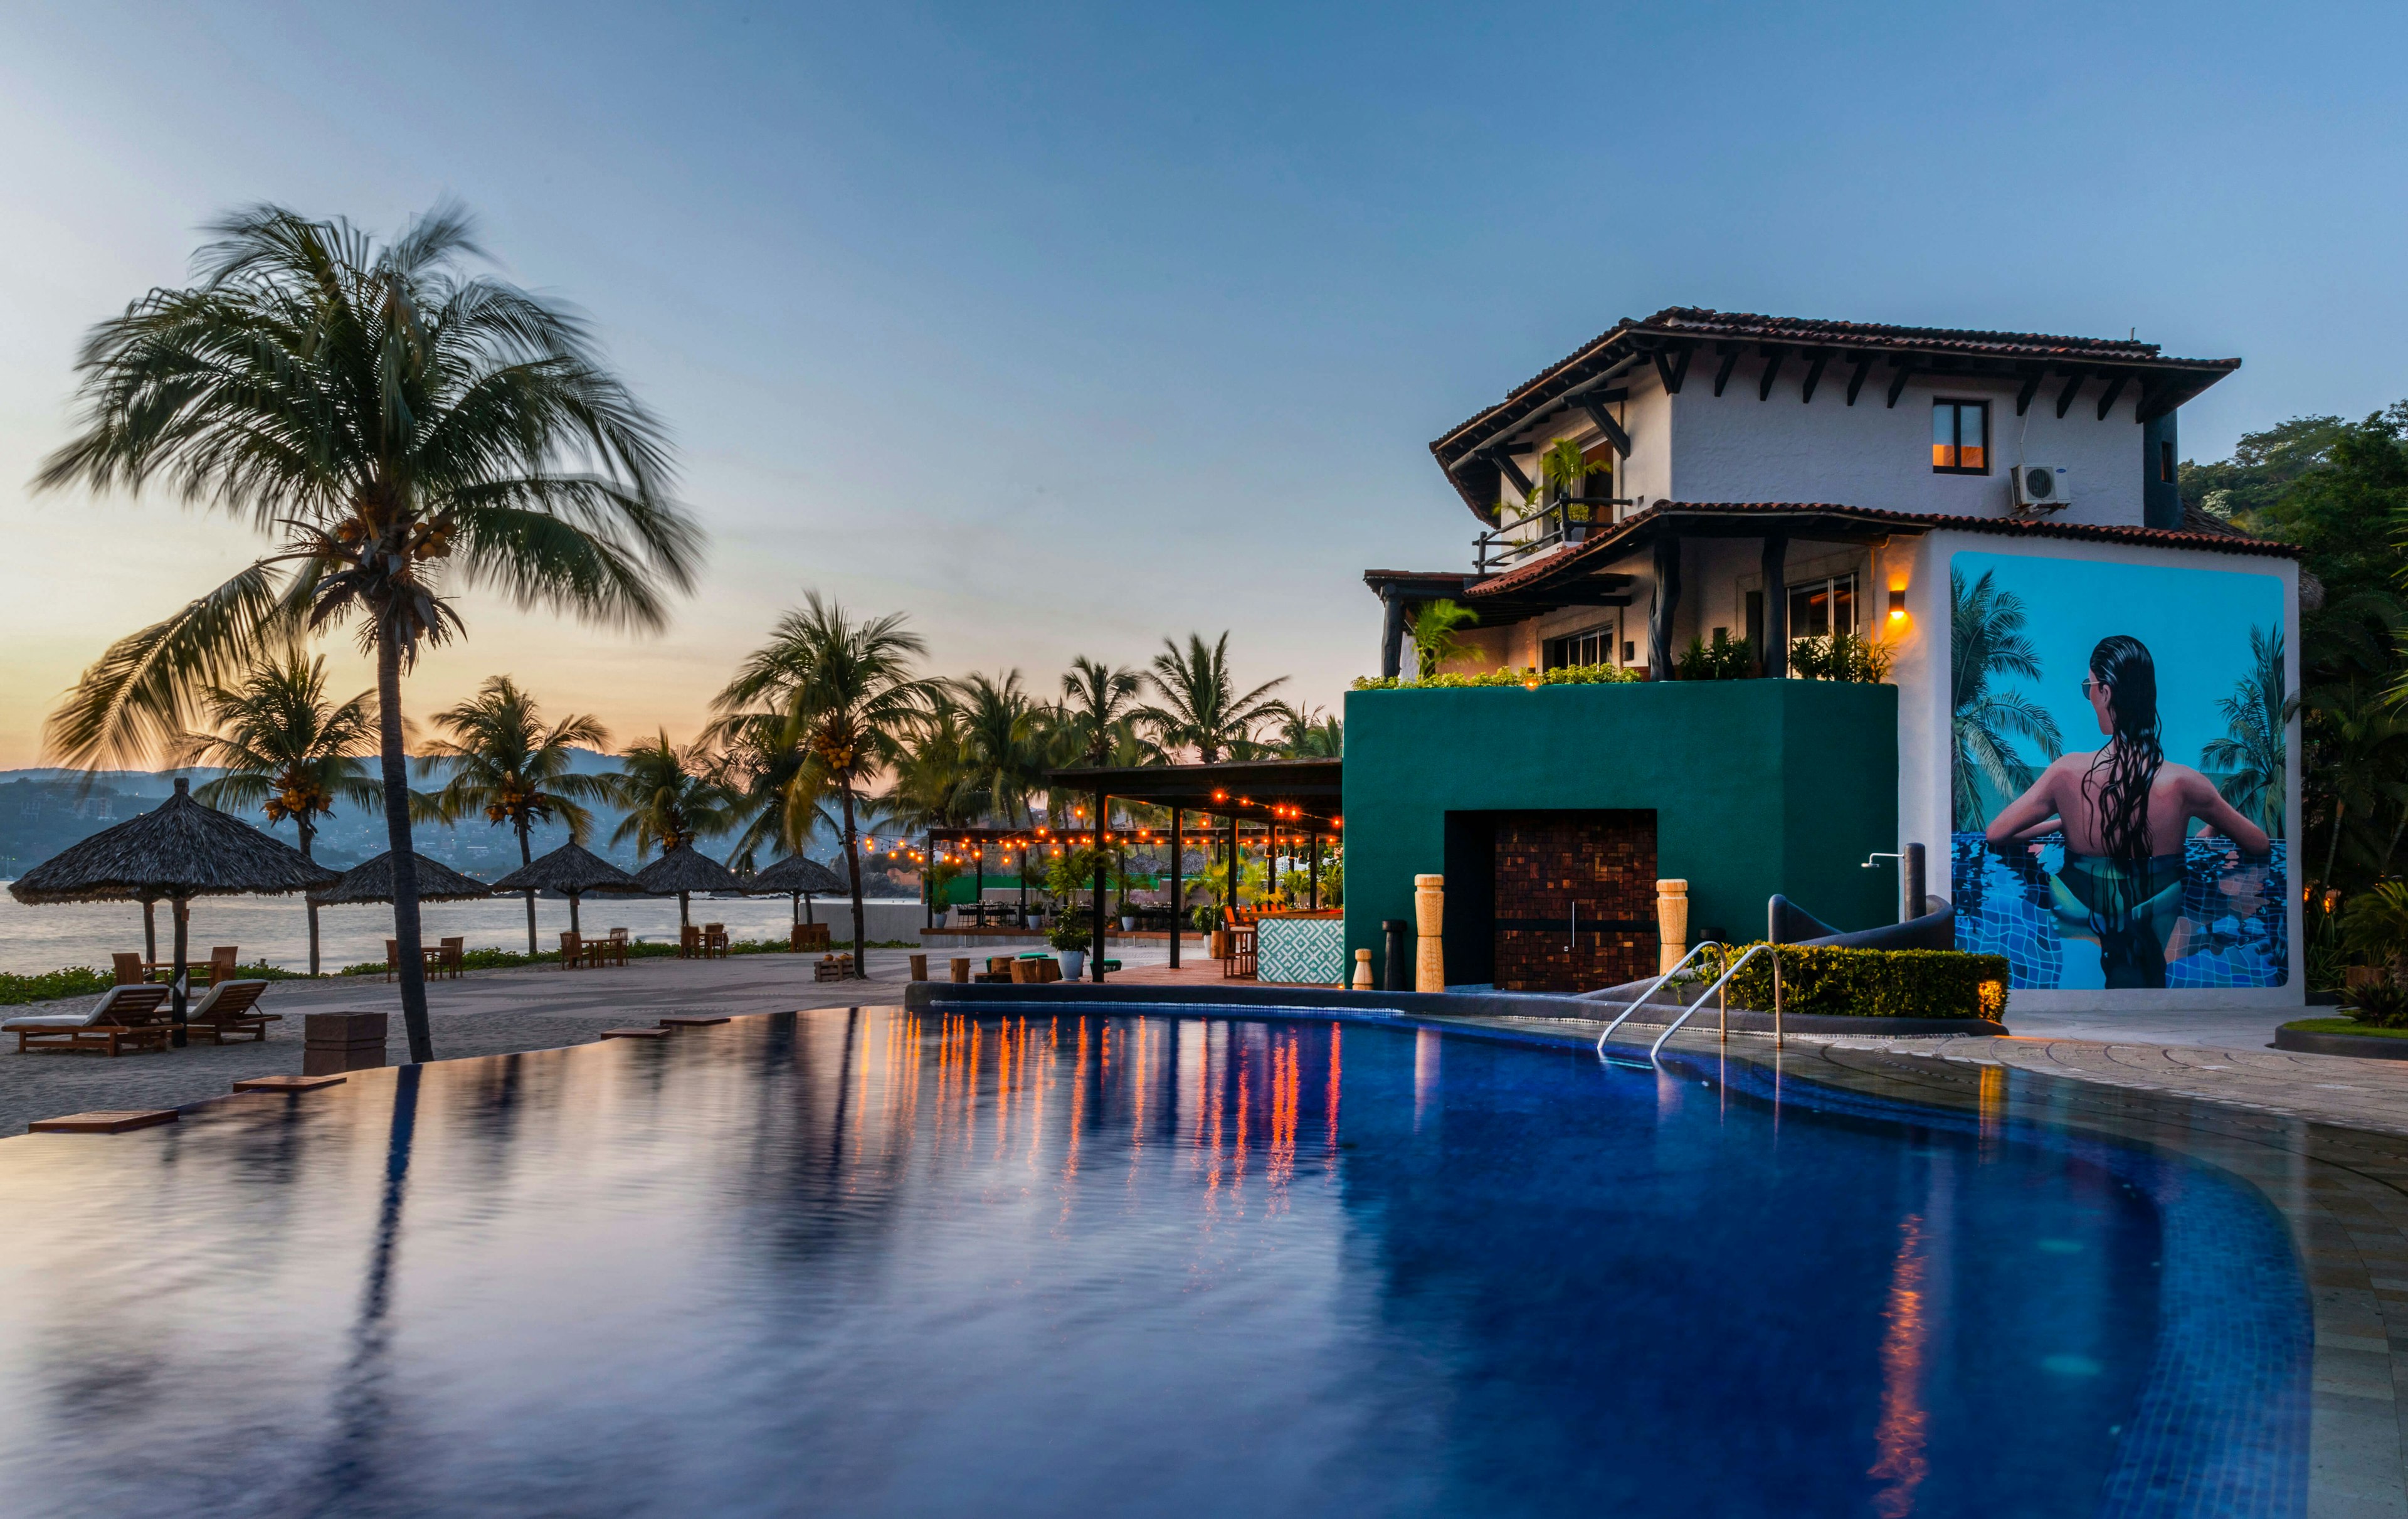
(1671, 923)
(1429, 921)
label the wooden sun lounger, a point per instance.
(126, 1017)
(230, 1010)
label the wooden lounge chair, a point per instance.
(222, 962)
(130, 971)
(230, 1010)
(126, 1017)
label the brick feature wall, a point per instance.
(1548, 861)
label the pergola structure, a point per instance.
(1299, 794)
(975, 842)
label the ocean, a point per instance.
(34, 939)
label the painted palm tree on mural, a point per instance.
(842, 695)
(2251, 754)
(1200, 706)
(505, 763)
(1986, 640)
(408, 431)
(287, 748)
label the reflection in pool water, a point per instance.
(2225, 925)
(870, 1262)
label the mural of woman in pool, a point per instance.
(2118, 866)
(2126, 812)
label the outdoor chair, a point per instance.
(221, 961)
(714, 941)
(230, 1010)
(126, 1017)
(453, 956)
(809, 936)
(616, 946)
(572, 948)
(689, 942)
(129, 970)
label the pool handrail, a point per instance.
(1653, 987)
(1729, 970)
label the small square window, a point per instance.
(1961, 438)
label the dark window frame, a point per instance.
(1957, 449)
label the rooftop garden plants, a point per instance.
(1566, 675)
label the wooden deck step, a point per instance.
(286, 1083)
(106, 1121)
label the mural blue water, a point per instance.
(868, 1263)
(2234, 929)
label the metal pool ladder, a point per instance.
(1720, 981)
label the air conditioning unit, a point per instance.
(2041, 489)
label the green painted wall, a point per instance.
(1759, 787)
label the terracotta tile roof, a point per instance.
(1624, 536)
(1700, 324)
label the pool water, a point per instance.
(863, 1262)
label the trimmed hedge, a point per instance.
(1833, 982)
(1566, 675)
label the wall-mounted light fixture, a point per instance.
(1898, 603)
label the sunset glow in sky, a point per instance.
(1064, 330)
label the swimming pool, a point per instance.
(871, 1262)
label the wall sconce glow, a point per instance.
(1897, 604)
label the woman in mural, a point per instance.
(2125, 812)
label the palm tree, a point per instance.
(408, 431)
(935, 784)
(287, 749)
(842, 696)
(2255, 745)
(1003, 744)
(1311, 733)
(2359, 749)
(1099, 709)
(1200, 706)
(672, 796)
(1988, 639)
(507, 765)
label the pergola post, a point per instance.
(1392, 634)
(1667, 601)
(1314, 873)
(1177, 897)
(1775, 661)
(1095, 961)
(978, 884)
(928, 885)
(1232, 878)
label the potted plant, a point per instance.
(1069, 940)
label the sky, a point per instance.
(1063, 330)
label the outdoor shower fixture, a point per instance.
(1909, 878)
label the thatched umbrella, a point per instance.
(571, 873)
(798, 878)
(371, 881)
(683, 871)
(178, 850)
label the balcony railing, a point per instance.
(1550, 527)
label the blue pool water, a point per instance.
(868, 1263)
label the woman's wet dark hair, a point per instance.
(2133, 754)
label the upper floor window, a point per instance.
(1961, 438)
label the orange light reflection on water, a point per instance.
(1902, 1434)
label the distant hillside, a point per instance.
(44, 810)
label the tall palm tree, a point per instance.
(287, 748)
(936, 786)
(1099, 709)
(1311, 733)
(2256, 746)
(1003, 744)
(842, 694)
(672, 796)
(1987, 639)
(408, 430)
(505, 763)
(1200, 706)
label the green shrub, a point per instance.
(1568, 675)
(1876, 983)
(1722, 660)
(2379, 1004)
(1068, 935)
(76, 980)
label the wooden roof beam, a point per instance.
(2072, 387)
(1772, 352)
(1898, 381)
(2115, 389)
(2030, 389)
(1723, 371)
(1814, 374)
(1857, 380)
